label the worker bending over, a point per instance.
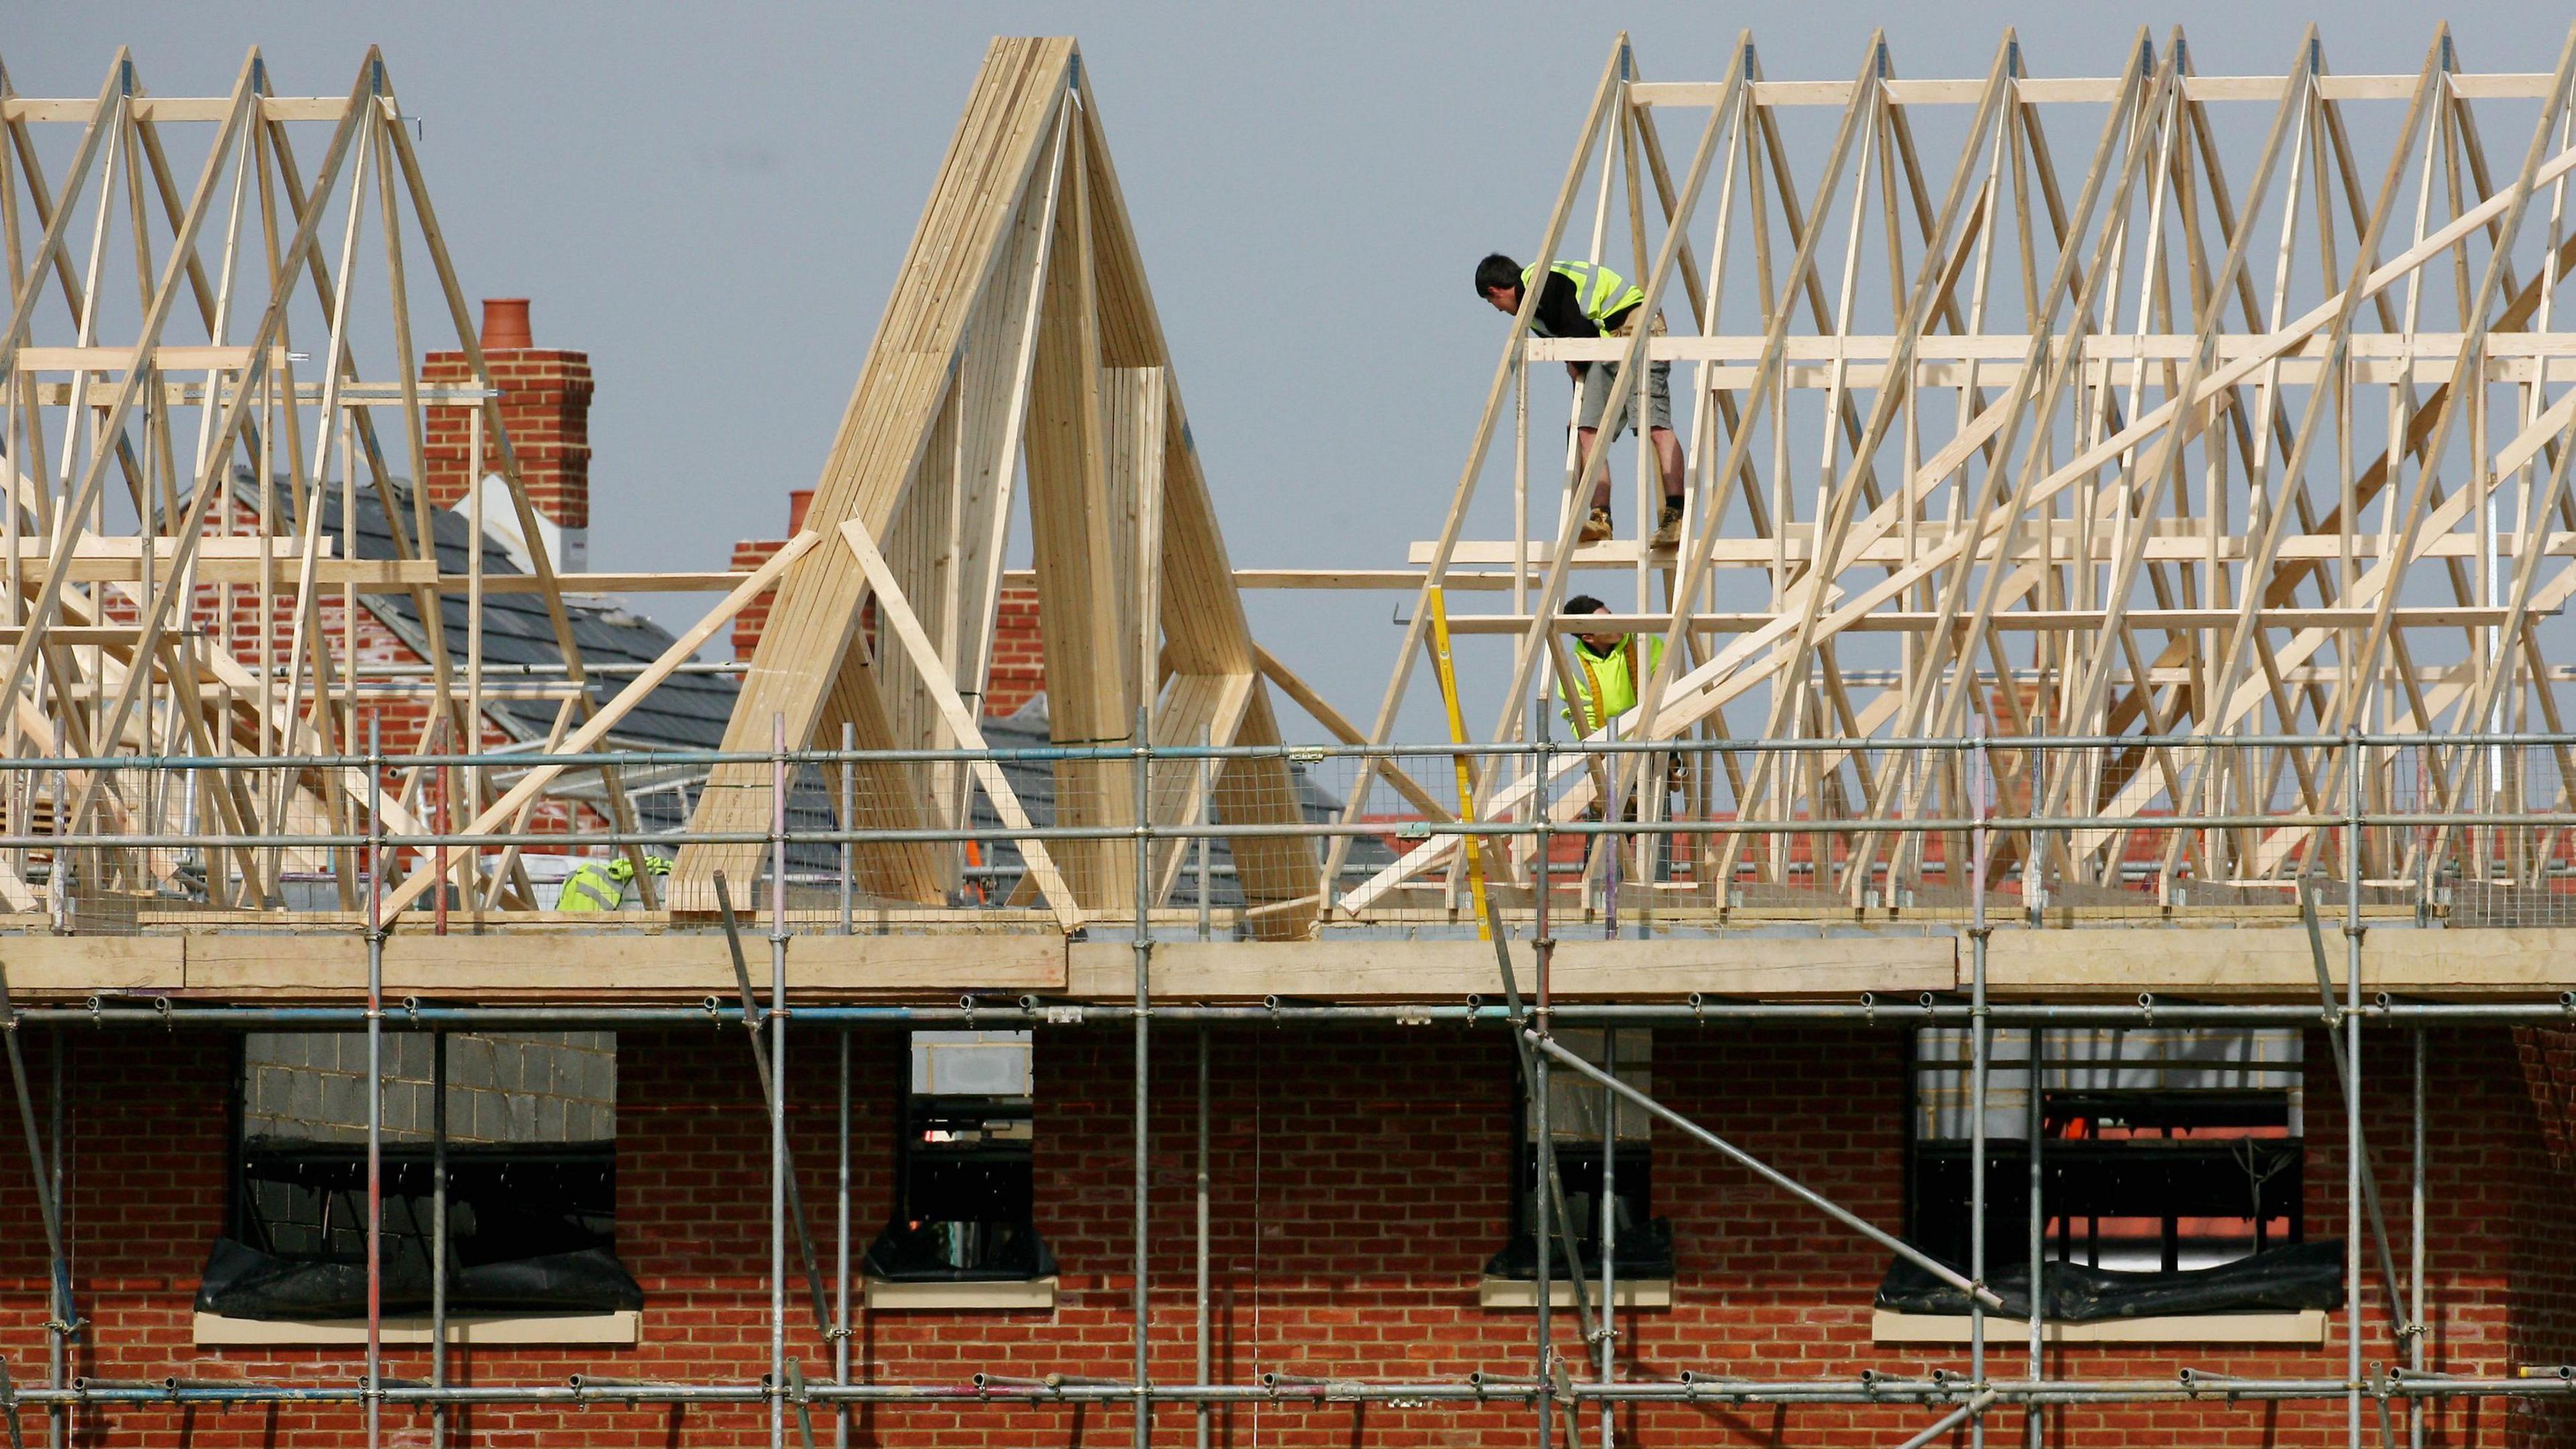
(1608, 668)
(1586, 299)
(600, 885)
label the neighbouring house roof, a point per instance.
(1034, 782)
(685, 712)
(689, 711)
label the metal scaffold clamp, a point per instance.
(1560, 1376)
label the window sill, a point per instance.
(2307, 1326)
(1022, 1296)
(1523, 1293)
(620, 1329)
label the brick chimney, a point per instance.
(1019, 664)
(1019, 660)
(751, 553)
(545, 403)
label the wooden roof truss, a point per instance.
(168, 585)
(1019, 369)
(2177, 408)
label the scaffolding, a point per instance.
(2080, 647)
(1564, 1385)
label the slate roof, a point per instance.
(1034, 782)
(687, 711)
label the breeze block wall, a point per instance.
(1359, 1182)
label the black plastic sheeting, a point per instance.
(2278, 1280)
(243, 1282)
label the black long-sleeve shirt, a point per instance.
(1560, 310)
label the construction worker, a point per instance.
(1586, 299)
(1608, 670)
(600, 885)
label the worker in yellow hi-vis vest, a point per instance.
(1586, 299)
(1608, 670)
(600, 885)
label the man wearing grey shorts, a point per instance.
(1582, 299)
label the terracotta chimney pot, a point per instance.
(798, 500)
(505, 324)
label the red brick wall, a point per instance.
(2538, 1179)
(545, 403)
(1359, 1184)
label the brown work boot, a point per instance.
(1668, 529)
(1597, 528)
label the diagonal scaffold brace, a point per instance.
(2401, 1309)
(68, 1321)
(9, 1406)
(751, 1019)
(1770, 1174)
(1522, 1036)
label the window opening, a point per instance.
(1578, 1111)
(531, 1177)
(2162, 1148)
(965, 1203)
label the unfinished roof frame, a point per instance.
(2093, 541)
(120, 666)
(2143, 511)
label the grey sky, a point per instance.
(713, 202)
